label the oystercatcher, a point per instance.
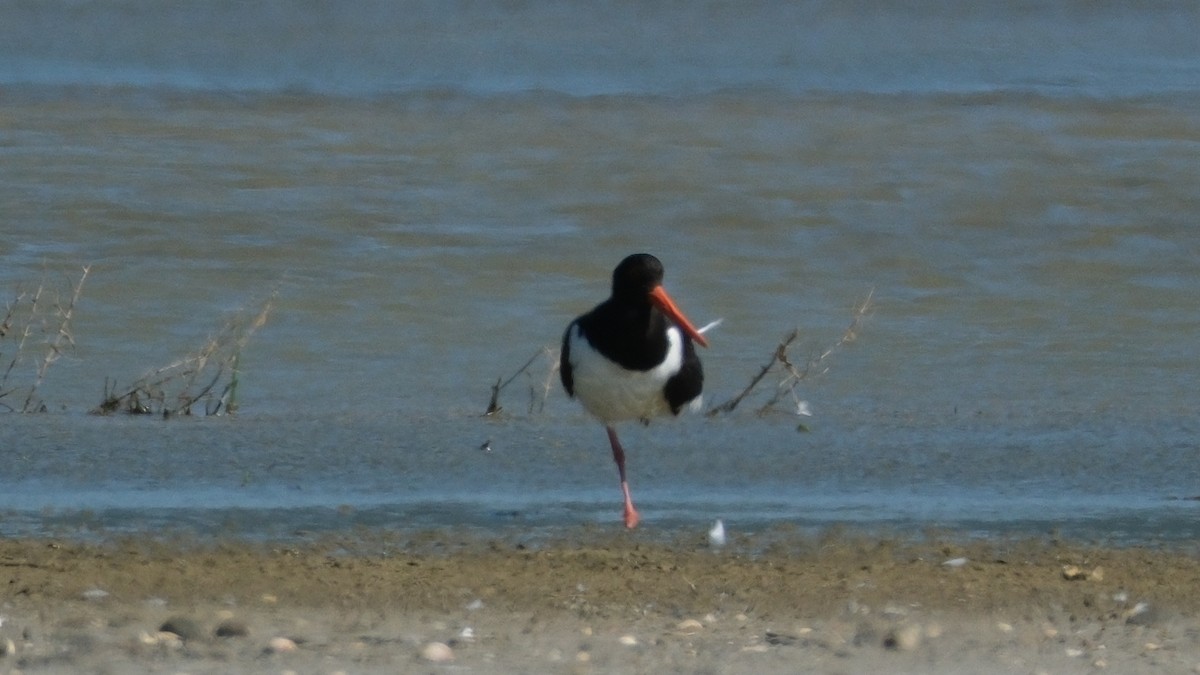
(632, 357)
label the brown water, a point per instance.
(433, 195)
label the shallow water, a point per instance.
(434, 194)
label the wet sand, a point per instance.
(596, 601)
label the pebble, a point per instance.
(231, 628)
(437, 652)
(169, 640)
(161, 638)
(628, 640)
(778, 639)
(281, 645)
(689, 626)
(905, 638)
(1077, 573)
(182, 626)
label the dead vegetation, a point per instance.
(35, 332)
(791, 372)
(793, 375)
(546, 384)
(204, 382)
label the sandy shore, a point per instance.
(596, 601)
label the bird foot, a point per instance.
(631, 517)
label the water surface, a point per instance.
(433, 193)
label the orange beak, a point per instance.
(660, 299)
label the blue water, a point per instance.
(429, 193)
(593, 48)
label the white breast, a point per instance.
(612, 393)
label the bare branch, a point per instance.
(794, 374)
(62, 338)
(211, 372)
(551, 355)
(779, 354)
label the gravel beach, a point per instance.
(596, 601)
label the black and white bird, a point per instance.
(633, 357)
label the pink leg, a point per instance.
(631, 514)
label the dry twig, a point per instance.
(780, 354)
(795, 375)
(551, 356)
(28, 315)
(209, 375)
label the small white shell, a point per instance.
(716, 535)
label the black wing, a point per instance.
(564, 362)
